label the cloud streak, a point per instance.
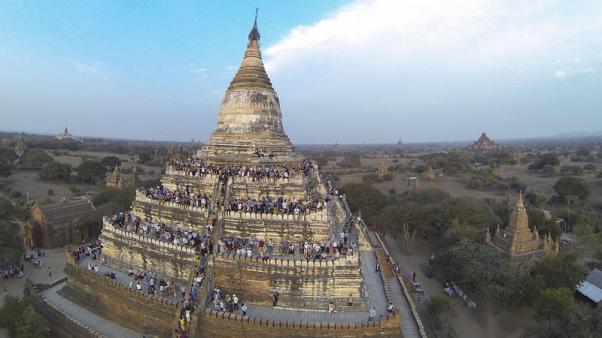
(93, 70)
(200, 74)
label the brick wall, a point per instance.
(128, 250)
(220, 324)
(116, 302)
(301, 284)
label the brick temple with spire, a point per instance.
(522, 244)
(295, 267)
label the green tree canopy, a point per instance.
(555, 304)
(483, 268)
(547, 159)
(35, 158)
(90, 172)
(7, 159)
(110, 162)
(11, 242)
(55, 171)
(20, 318)
(571, 186)
(365, 198)
(561, 271)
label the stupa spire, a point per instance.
(249, 123)
(254, 33)
(251, 74)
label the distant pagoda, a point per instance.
(20, 146)
(65, 135)
(484, 143)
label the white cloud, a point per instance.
(565, 74)
(463, 33)
(200, 74)
(93, 69)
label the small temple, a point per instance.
(383, 169)
(430, 174)
(116, 180)
(20, 146)
(520, 242)
(484, 143)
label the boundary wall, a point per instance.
(148, 314)
(220, 324)
(60, 323)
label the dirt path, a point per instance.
(487, 322)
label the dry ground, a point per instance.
(55, 259)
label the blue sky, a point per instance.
(346, 71)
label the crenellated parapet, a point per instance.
(144, 240)
(313, 216)
(169, 212)
(312, 227)
(127, 250)
(223, 324)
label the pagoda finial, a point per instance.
(519, 202)
(254, 34)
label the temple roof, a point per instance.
(66, 211)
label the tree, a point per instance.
(365, 198)
(465, 217)
(110, 162)
(555, 304)
(11, 242)
(559, 271)
(590, 167)
(484, 268)
(571, 186)
(547, 159)
(20, 318)
(548, 171)
(536, 198)
(440, 309)
(35, 159)
(544, 226)
(11, 312)
(119, 198)
(7, 158)
(31, 324)
(55, 171)
(90, 171)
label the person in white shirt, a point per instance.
(372, 314)
(235, 302)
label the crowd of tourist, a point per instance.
(227, 303)
(198, 167)
(261, 249)
(278, 206)
(12, 270)
(159, 230)
(186, 198)
(90, 250)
